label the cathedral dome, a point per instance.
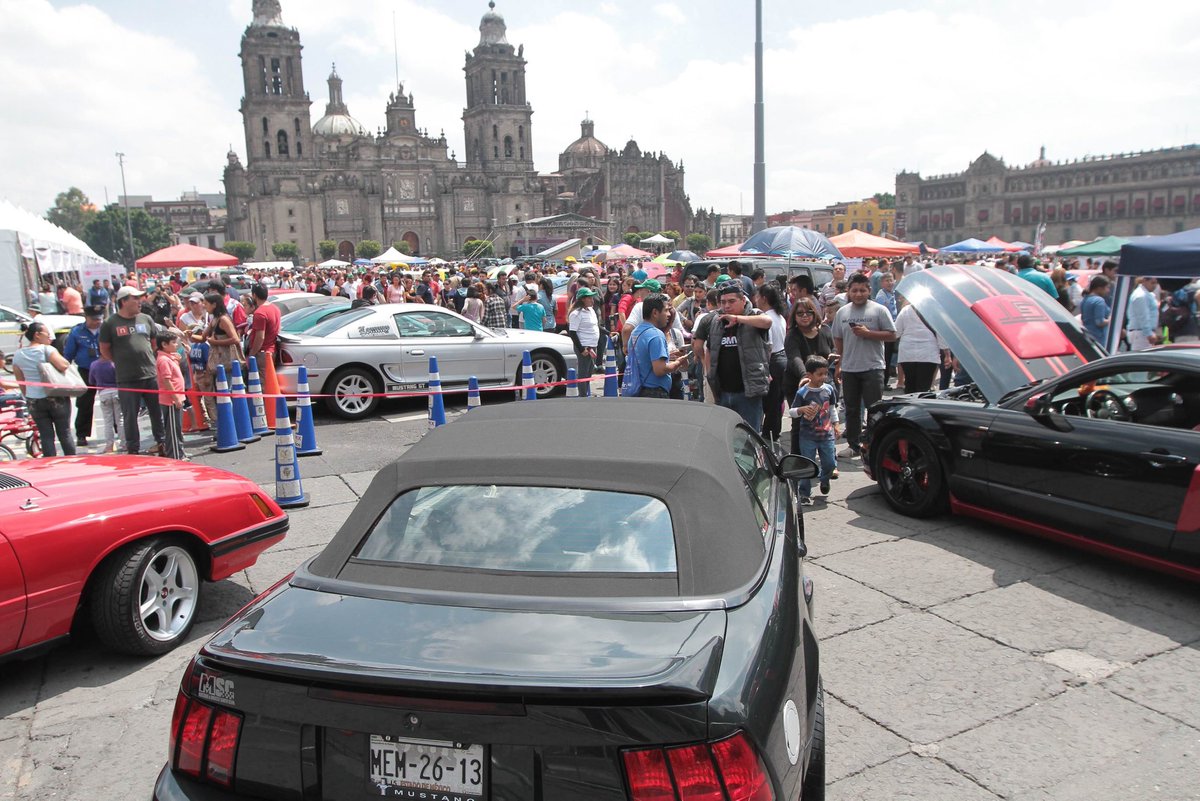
(337, 120)
(587, 145)
(492, 30)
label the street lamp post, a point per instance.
(128, 222)
(760, 166)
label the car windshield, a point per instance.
(337, 321)
(525, 529)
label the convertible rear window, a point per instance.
(525, 529)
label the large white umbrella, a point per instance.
(334, 263)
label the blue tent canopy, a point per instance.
(792, 242)
(362, 262)
(972, 245)
(683, 255)
(1170, 256)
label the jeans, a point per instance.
(53, 418)
(587, 367)
(750, 409)
(814, 448)
(110, 418)
(860, 390)
(131, 403)
(696, 381)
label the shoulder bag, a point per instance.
(68, 384)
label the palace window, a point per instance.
(281, 143)
(521, 133)
(267, 149)
(276, 78)
(266, 127)
(495, 132)
(495, 151)
(508, 147)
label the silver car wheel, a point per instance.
(167, 600)
(349, 385)
(545, 371)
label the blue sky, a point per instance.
(854, 92)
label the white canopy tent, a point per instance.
(658, 239)
(393, 256)
(333, 263)
(32, 248)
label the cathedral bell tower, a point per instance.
(498, 119)
(275, 107)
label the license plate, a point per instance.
(408, 387)
(406, 768)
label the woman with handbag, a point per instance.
(225, 346)
(52, 415)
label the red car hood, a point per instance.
(91, 478)
(1006, 331)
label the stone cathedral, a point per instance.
(304, 182)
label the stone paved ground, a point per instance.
(961, 661)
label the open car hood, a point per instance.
(1006, 331)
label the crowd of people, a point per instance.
(767, 350)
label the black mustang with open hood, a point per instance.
(1052, 437)
(551, 600)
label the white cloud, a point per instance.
(671, 13)
(82, 87)
(850, 99)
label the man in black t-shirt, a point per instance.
(127, 338)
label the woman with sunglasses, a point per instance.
(806, 336)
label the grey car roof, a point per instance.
(680, 453)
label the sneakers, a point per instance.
(806, 500)
(825, 487)
(834, 474)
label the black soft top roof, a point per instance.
(680, 453)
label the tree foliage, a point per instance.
(699, 243)
(368, 249)
(478, 249)
(285, 250)
(72, 211)
(643, 235)
(105, 233)
(243, 250)
(327, 248)
(886, 200)
(403, 247)
(633, 240)
(672, 235)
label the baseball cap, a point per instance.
(94, 311)
(647, 283)
(195, 297)
(129, 292)
(730, 287)
(585, 292)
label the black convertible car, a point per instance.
(1052, 437)
(550, 600)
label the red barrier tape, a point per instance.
(425, 394)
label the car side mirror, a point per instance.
(1038, 407)
(794, 467)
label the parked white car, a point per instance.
(12, 319)
(386, 348)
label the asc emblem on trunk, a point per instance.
(215, 688)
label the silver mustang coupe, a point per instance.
(386, 348)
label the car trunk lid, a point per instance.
(1005, 331)
(353, 696)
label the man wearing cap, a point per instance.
(127, 339)
(583, 327)
(632, 318)
(739, 354)
(83, 348)
(195, 314)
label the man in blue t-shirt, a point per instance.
(531, 311)
(1094, 311)
(649, 366)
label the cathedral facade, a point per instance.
(334, 180)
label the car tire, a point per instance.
(813, 788)
(145, 596)
(547, 369)
(909, 473)
(352, 381)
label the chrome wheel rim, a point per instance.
(544, 372)
(167, 600)
(353, 385)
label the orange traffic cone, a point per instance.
(196, 420)
(270, 384)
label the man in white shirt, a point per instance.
(1141, 322)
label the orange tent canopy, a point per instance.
(855, 244)
(185, 256)
(726, 252)
(1000, 243)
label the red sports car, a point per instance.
(124, 540)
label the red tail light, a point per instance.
(204, 740)
(725, 770)
(285, 357)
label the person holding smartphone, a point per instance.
(860, 329)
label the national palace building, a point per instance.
(1126, 194)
